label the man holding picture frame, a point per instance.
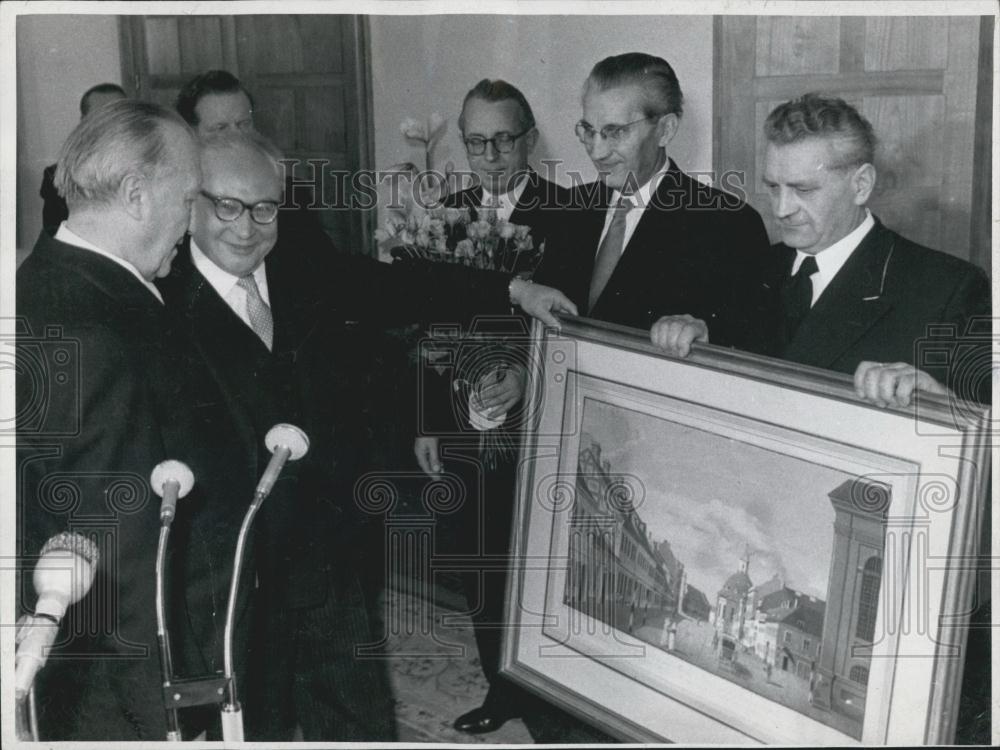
(848, 294)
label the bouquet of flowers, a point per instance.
(419, 227)
(450, 235)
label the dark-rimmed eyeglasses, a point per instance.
(611, 133)
(503, 143)
(230, 209)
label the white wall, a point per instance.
(58, 58)
(424, 64)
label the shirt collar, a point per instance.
(511, 197)
(644, 195)
(831, 259)
(221, 280)
(67, 235)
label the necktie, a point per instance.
(796, 296)
(609, 253)
(257, 310)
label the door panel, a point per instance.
(307, 74)
(916, 79)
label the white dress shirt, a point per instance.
(226, 285)
(64, 234)
(831, 259)
(640, 201)
(507, 202)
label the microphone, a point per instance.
(171, 480)
(63, 576)
(286, 442)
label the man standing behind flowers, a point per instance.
(514, 208)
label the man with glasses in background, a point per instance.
(650, 241)
(498, 129)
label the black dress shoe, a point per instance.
(479, 721)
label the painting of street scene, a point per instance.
(753, 565)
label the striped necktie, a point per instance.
(610, 252)
(257, 310)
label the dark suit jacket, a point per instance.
(539, 207)
(893, 301)
(692, 252)
(54, 210)
(311, 379)
(98, 409)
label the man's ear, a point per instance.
(863, 183)
(531, 140)
(133, 196)
(668, 125)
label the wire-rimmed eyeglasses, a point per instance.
(230, 209)
(611, 133)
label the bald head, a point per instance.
(243, 184)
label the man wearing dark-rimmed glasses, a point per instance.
(499, 133)
(267, 314)
(650, 241)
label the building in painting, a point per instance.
(852, 596)
(787, 627)
(616, 573)
(734, 604)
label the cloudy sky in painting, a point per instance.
(710, 497)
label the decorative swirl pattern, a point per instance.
(444, 495)
(937, 495)
(59, 493)
(375, 494)
(869, 496)
(556, 492)
(127, 493)
(625, 493)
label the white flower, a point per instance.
(453, 216)
(464, 249)
(506, 230)
(413, 128)
(435, 126)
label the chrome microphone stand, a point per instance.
(170, 480)
(286, 442)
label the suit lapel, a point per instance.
(852, 303)
(651, 234)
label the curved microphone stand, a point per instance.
(170, 480)
(286, 442)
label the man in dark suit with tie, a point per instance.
(843, 291)
(650, 240)
(846, 293)
(865, 296)
(54, 210)
(269, 318)
(498, 129)
(104, 408)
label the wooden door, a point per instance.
(925, 83)
(309, 78)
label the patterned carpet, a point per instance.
(435, 670)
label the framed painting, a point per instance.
(733, 549)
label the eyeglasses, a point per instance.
(502, 142)
(230, 209)
(610, 133)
